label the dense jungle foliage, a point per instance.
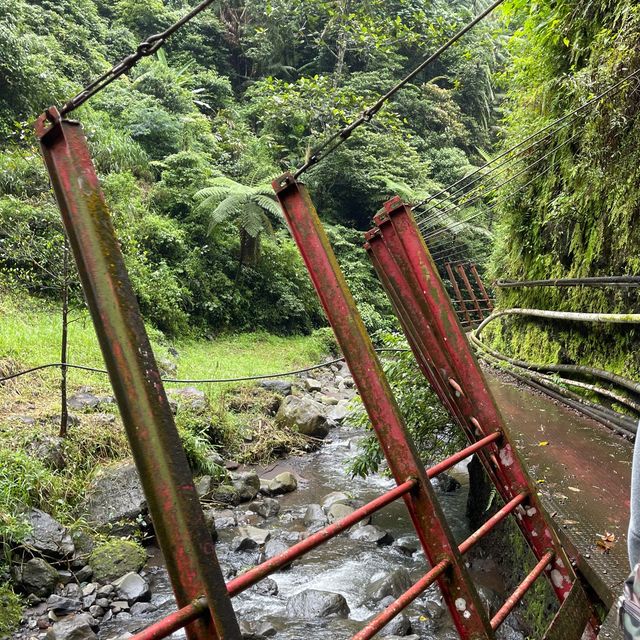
(578, 211)
(187, 143)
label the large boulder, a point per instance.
(371, 533)
(312, 603)
(47, 538)
(132, 588)
(266, 507)
(115, 499)
(283, 387)
(338, 511)
(116, 558)
(78, 627)
(250, 538)
(315, 517)
(284, 482)
(392, 584)
(35, 576)
(304, 415)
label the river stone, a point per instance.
(339, 412)
(406, 544)
(115, 499)
(392, 584)
(132, 588)
(226, 494)
(204, 486)
(312, 603)
(315, 517)
(189, 399)
(371, 533)
(61, 605)
(274, 548)
(283, 483)
(250, 538)
(396, 628)
(76, 627)
(445, 483)
(266, 587)
(47, 538)
(49, 450)
(83, 401)
(267, 507)
(114, 559)
(338, 511)
(283, 387)
(35, 576)
(304, 415)
(311, 384)
(246, 483)
(333, 498)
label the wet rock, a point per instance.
(204, 486)
(283, 483)
(96, 611)
(83, 401)
(90, 589)
(311, 384)
(63, 606)
(47, 538)
(35, 576)
(118, 606)
(407, 544)
(277, 386)
(339, 412)
(114, 559)
(246, 483)
(312, 604)
(371, 533)
(88, 601)
(78, 627)
(396, 628)
(274, 548)
(225, 519)
(267, 507)
(392, 584)
(115, 499)
(445, 483)
(189, 399)
(315, 517)
(304, 415)
(265, 629)
(337, 511)
(73, 590)
(103, 602)
(249, 538)
(50, 451)
(140, 608)
(132, 588)
(333, 498)
(226, 494)
(83, 574)
(266, 587)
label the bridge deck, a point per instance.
(584, 476)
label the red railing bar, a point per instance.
(495, 519)
(462, 454)
(382, 619)
(402, 602)
(192, 611)
(523, 587)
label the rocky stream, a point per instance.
(327, 595)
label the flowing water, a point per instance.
(342, 565)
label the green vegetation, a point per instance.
(577, 213)
(10, 609)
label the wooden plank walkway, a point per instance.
(583, 472)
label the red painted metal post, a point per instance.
(467, 285)
(456, 291)
(481, 286)
(383, 411)
(164, 472)
(474, 397)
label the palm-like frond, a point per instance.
(269, 205)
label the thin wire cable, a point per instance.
(338, 138)
(146, 48)
(283, 374)
(424, 226)
(530, 137)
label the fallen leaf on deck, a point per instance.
(543, 443)
(574, 489)
(606, 542)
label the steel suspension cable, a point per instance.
(338, 138)
(551, 125)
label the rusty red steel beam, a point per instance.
(394, 609)
(467, 285)
(162, 464)
(428, 520)
(182, 617)
(521, 590)
(457, 292)
(475, 397)
(481, 286)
